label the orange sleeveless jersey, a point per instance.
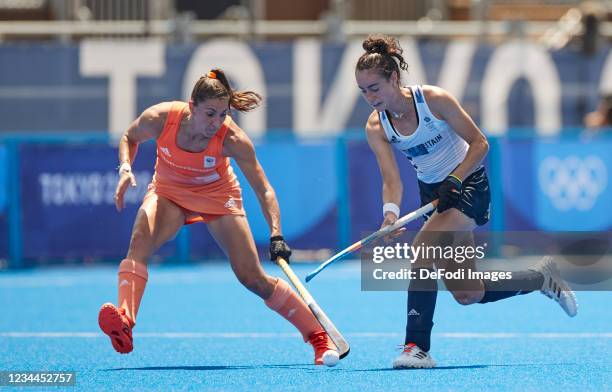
(202, 183)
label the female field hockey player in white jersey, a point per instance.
(446, 149)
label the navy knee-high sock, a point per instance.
(422, 294)
(522, 282)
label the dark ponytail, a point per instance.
(382, 53)
(215, 85)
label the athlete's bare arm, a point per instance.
(444, 106)
(148, 125)
(392, 183)
(239, 146)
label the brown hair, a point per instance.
(382, 53)
(215, 85)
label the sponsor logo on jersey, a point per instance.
(166, 151)
(419, 96)
(231, 203)
(423, 148)
(209, 162)
(430, 125)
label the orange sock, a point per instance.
(132, 281)
(289, 305)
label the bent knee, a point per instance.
(257, 283)
(249, 281)
(467, 297)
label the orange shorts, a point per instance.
(196, 216)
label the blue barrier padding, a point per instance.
(3, 179)
(342, 166)
(344, 196)
(14, 210)
(496, 184)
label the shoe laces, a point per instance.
(123, 313)
(319, 340)
(406, 348)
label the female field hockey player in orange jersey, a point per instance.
(445, 148)
(194, 182)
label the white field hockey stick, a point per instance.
(404, 220)
(328, 326)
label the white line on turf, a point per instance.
(276, 335)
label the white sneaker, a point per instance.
(555, 287)
(413, 357)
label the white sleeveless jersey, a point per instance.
(434, 149)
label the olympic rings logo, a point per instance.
(573, 182)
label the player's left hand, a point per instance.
(126, 178)
(279, 248)
(390, 219)
(449, 193)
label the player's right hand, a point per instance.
(126, 177)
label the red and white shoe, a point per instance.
(321, 343)
(118, 326)
(413, 357)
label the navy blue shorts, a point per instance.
(475, 199)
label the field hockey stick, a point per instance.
(404, 220)
(326, 323)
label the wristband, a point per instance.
(391, 207)
(456, 178)
(277, 238)
(125, 168)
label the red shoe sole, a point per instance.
(111, 323)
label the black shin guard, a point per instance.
(422, 294)
(522, 282)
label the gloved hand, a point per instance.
(279, 248)
(449, 193)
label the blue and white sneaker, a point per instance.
(413, 357)
(555, 287)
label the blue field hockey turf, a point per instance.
(198, 329)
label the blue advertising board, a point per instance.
(572, 187)
(68, 209)
(329, 191)
(4, 237)
(304, 179)
(3, 179)
(557, 185)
